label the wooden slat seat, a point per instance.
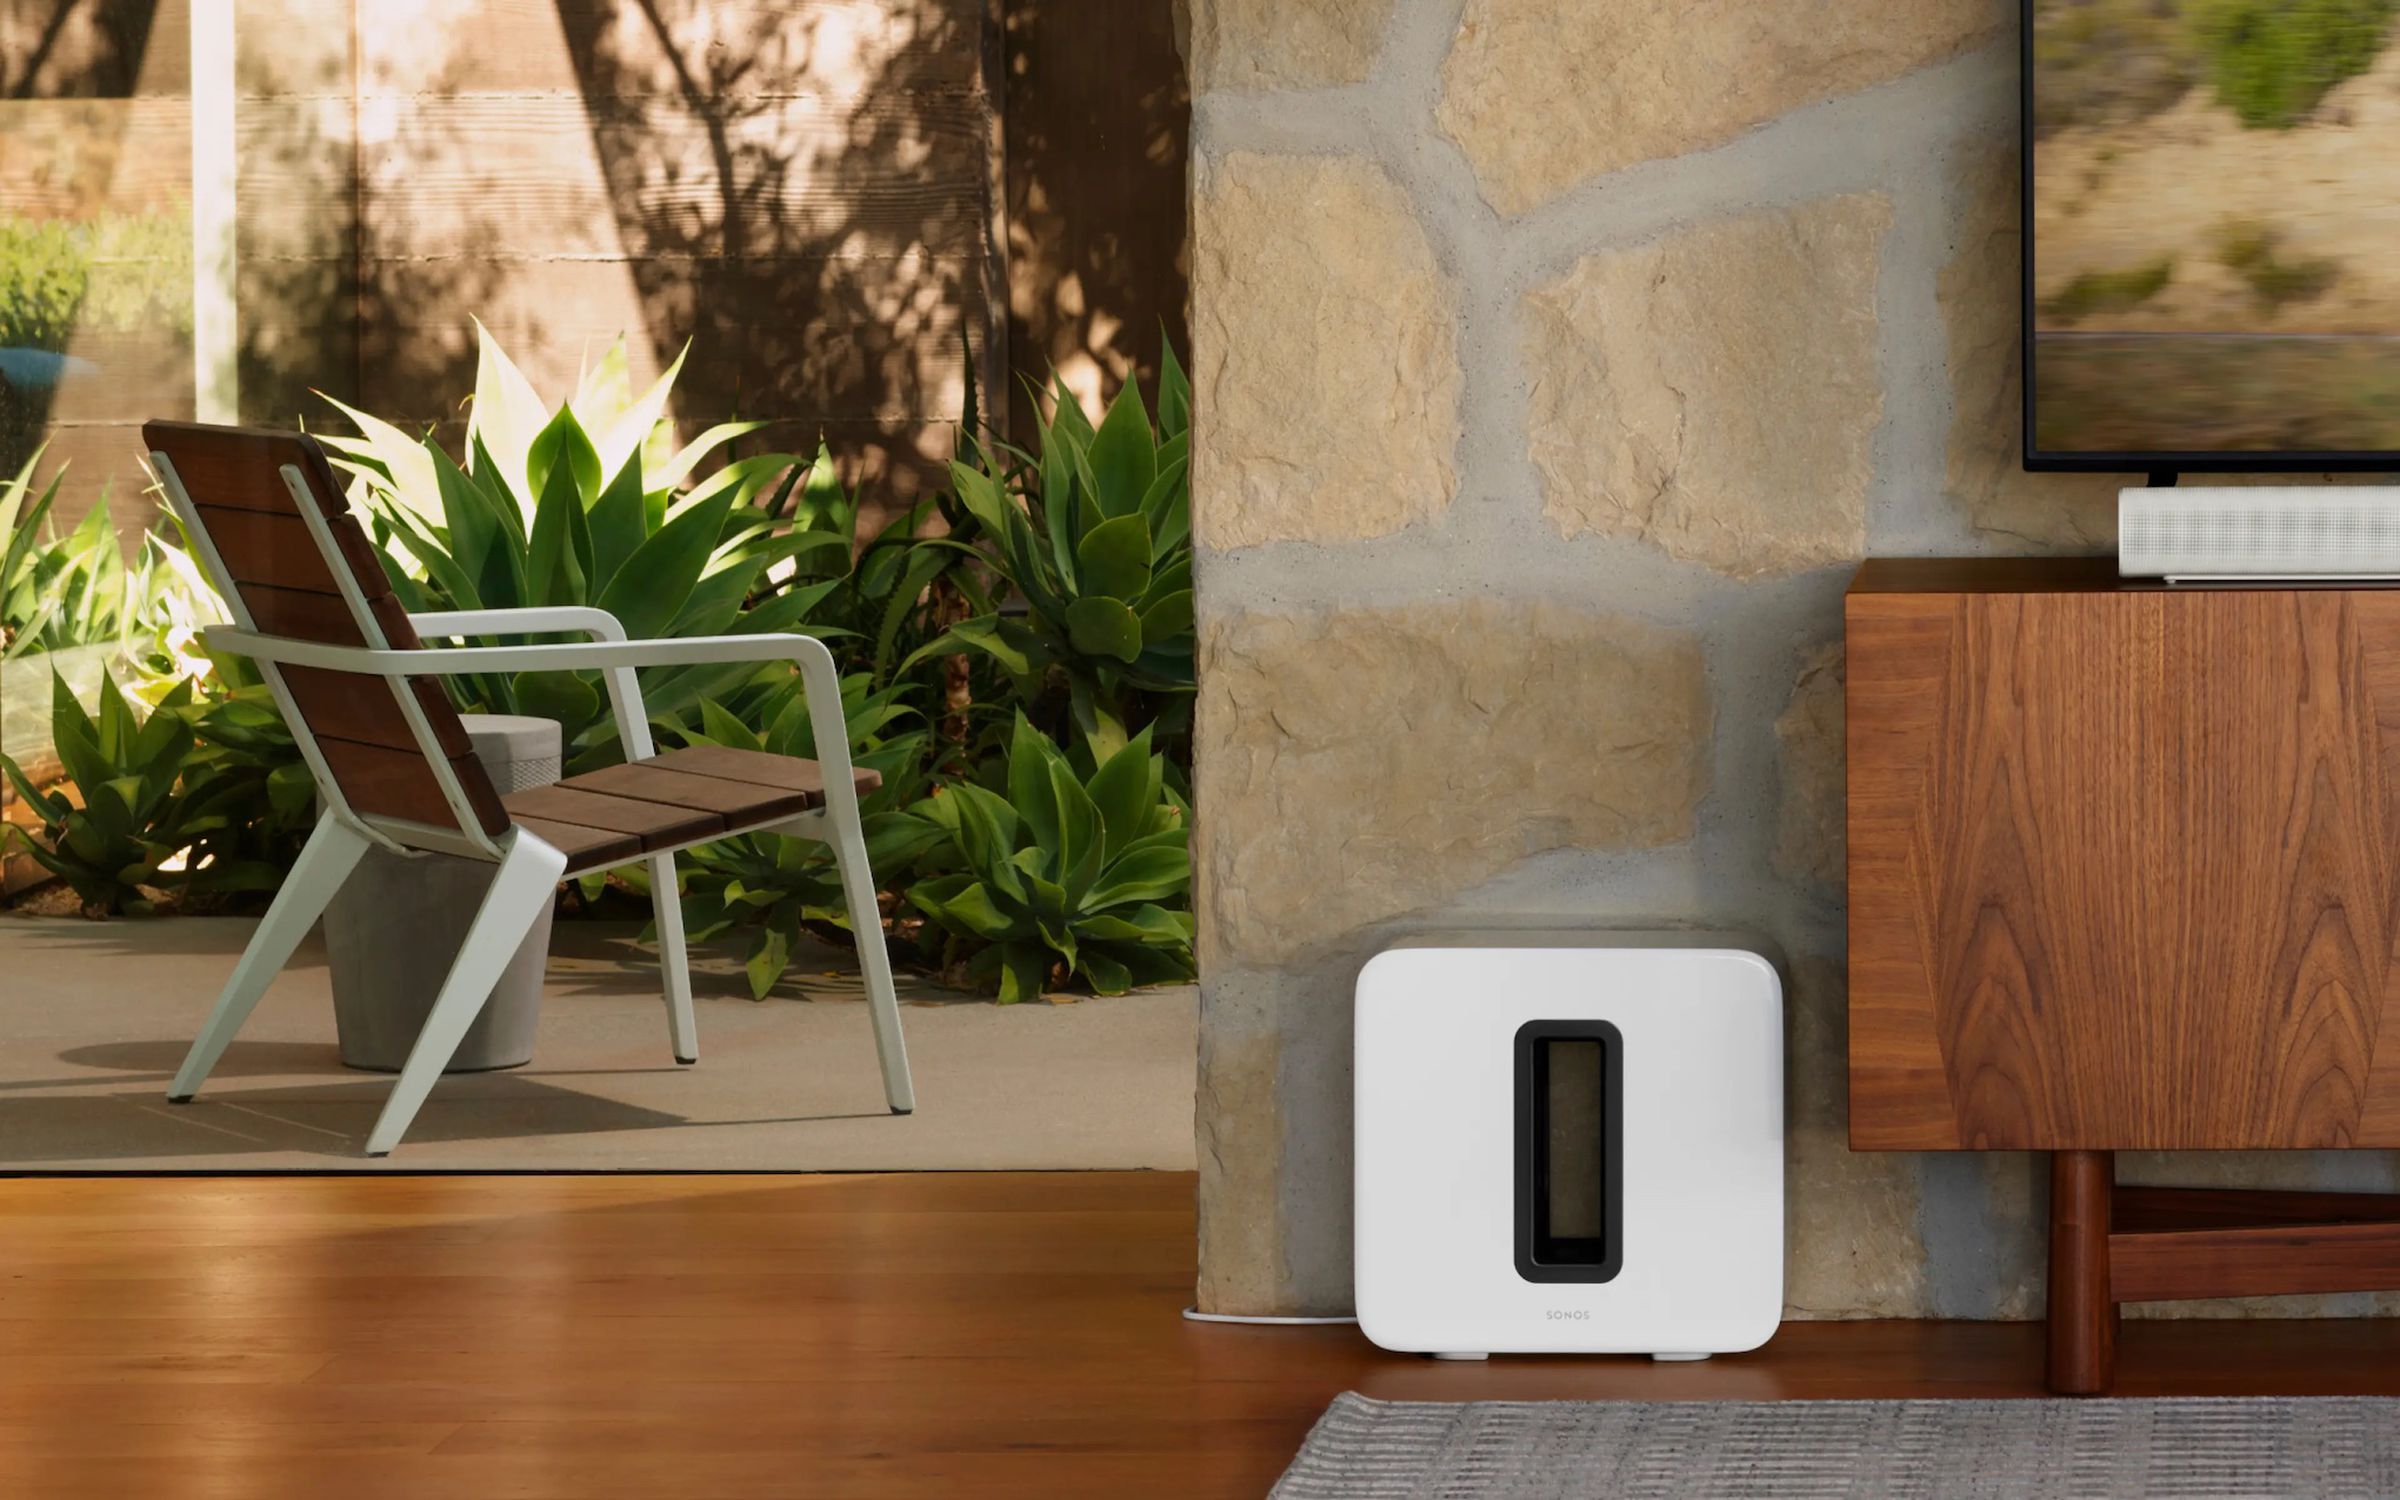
(758, 768)
(657, 825)
(585, 848)
(614, 814)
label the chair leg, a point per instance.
(325, 862)
(675, 965)
(874, 962)
(526, 881)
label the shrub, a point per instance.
(113, 273)
(57, 593)
(2272, 60)
(1065, 876)
(1098, 546)
(157, 810)
(775, 884)
(2108, 291)
(2247, 248)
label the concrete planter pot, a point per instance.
(392, 933)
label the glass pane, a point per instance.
(96, 313)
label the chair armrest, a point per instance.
(615, 659)
(625, 706)
(532, 619)
(539, 656)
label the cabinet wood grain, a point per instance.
(2121, 861)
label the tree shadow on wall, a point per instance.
(323, 306)
(1099, 120)
(803, 194)
(73, 49)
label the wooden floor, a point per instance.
(940, 1335)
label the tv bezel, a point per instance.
(2036, 461)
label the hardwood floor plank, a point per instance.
(591, 1338)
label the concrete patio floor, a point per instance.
(95, 1017)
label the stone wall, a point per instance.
(1556, 362)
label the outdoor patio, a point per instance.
(95, 1016)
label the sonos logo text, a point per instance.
(1568, 1314)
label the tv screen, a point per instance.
(2212, 222)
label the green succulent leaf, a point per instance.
(1123, 792)
(969, 909)
(560, 555)
(769, 956)
(1104, 627)
(1123, 456)
(617, 522)
(1167, 619)
(1024, 970)
(562, 442)
(1108, 976)
(1143, 876)
(564, 696)
(650, 589)
(1174, 394)
(1114, 558)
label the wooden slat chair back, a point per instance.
(269, 521)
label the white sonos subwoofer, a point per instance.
(1569, 1143)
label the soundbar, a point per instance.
(2283, 533)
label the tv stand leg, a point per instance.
(2083, 1315)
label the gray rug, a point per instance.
(1906, 1450)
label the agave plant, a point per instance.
(1100, 552)
(22, 553)
(775, 883)
(145, 822)
(1065, 876)
(59, 592)
(590, 503)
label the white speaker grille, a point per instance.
(2248, 532)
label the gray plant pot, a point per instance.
(399, 922)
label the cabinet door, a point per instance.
(2122, 869)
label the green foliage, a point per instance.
(586, 504)
(27, 561)
(1044, 601)
(155, 812)
(776, 884)
(2108, 291)
(2109, 61)
(246, 778)
(111, 274)
(1064, 874)
(2248, 248)
(58, 592)
(876, 608)
(2272, 60)
(1099, 549)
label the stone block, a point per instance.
(1325, 355)
(1715, 391)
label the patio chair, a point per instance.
(393, 766)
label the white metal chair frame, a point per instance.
(529, 868)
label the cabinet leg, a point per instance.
(2083, 1314)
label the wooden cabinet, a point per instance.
(2124, 874)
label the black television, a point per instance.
(2211, 202)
